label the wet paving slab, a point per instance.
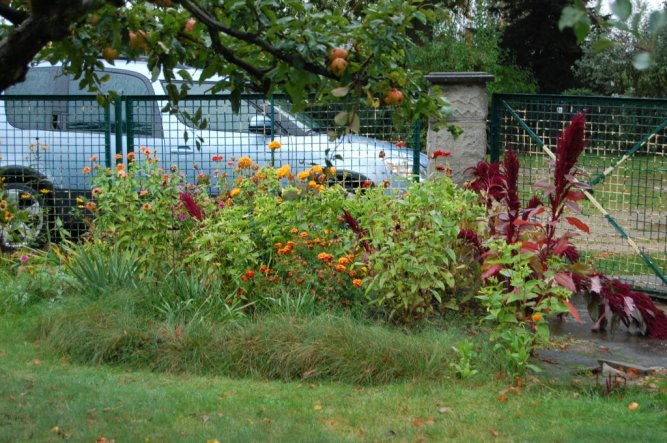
(580, 350)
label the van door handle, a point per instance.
(182, 150)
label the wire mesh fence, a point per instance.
(46, 144)
(625, 162)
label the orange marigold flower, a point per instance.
(536, 317)
(352, 273)
(278, 245)
(283, 251)
(283, 171)
(332, 171)
(234, 192)
(131, 155)
(275, 144)
(143, 192)
(121, 174)
(312, 184)
(247, 275)
(357, 282)
(93, 159)
(120, 167)
(91, 206)
(344, 261)
(323, 256)
(303, 234)
(118, 156)
(146, 207)
(245, 162)
(86, 170)
(294, 231)
(96, 192)
(317, 169)
(303, 175)
(340, 268)
(264, 269)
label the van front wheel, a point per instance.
(23, 216)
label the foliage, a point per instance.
(626, 19)
(259, 45)
(466, 352)
(474, 46)
(609, 70)
(416, 266)
(535, 42)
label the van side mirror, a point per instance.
(260, 124)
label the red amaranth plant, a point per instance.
(191, 205)
(497, 184)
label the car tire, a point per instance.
(29, 221)
(350, 181)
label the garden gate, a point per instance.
(625, 162)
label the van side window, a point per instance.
(34, 113)
(89, 116)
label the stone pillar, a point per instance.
(466, 94)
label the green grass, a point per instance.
(48, 398)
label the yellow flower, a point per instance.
(344, 261)
(317, 169)
(4, 205)
(332, 171)
(312, 184)
(44, 191)
(245, 162)
(25, 196)
(275, 144)
(283, 171)
(8, 216)
(234, 192)
(303, 175)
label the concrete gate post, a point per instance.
(466, 94)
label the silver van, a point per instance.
(47, 140)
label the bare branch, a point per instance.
(11, 14)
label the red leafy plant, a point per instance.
(551, 255)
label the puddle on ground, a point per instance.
(582, 348)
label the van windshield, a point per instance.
(220, 117)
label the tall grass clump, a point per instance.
(115, 330)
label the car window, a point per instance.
(35, 113)
(220, 116)
(80, 114)
(90, 116)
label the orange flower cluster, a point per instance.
(247, 275)
(324, 256)
(284, 250)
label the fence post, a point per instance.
(129, 118)
(118, 108)
(494, 147)
(416, 149)
(466, 94)
(107, 133)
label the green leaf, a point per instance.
(622, 9)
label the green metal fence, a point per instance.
(46, 142)
(625, 162)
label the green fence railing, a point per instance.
(625, 162)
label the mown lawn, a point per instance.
(46, 398)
